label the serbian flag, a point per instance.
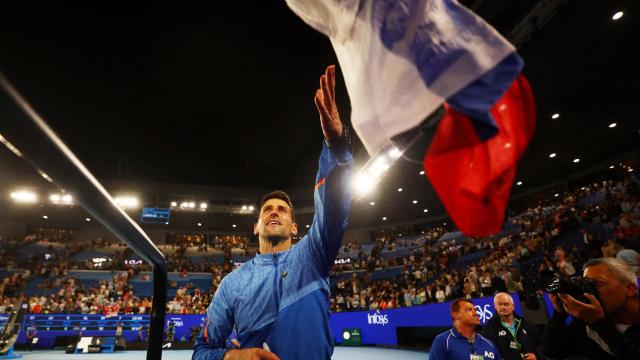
(402, 60)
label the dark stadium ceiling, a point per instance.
(220, 93)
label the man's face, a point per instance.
(504, 305)
(467, 315)
(613, 294)
(275, 223)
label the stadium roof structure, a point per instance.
(220, 94)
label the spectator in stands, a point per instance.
(631, 258)
(611, 248)
(250, 297)
(32, 333)
(564, 265)
(515, 337)
(170, 332)
(141, 334)
(485, 284)
(605, 327)
(462, 342)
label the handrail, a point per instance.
(32, 139)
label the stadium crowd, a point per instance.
(602, 219)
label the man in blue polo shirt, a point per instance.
(462, 342)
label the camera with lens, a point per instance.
(555, 283)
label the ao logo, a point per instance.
(377, 318)
(502, 333)
(489, 355)
(484, 313)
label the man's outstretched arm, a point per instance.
(332, 194)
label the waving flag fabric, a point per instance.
(402, 59)
(472, 176)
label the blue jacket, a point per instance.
(282, 299)
(451, 345)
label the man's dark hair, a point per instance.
(455, 305)
(278, 194)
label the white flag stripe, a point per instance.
(402, 58)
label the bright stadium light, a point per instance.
(234, 225)
(415, 201)
(372, 203)
(10, 146)
(24, 196)
(399, 189)
(127, 201)
(251, 208)
(87, 219)
(612, 166)
(45, 217)
(192, 205)
(576, 160)
(617, 15)
(174, 204)
(244, 208)
(363, 184)
(184, 205)
(308, 226)
(421, 172)
(203, 206)
(552, 155)
(556, 195)
(61, 199)
(519, 183)
(395, 153)
(612, 125)
(45, 176)
(425, 210)
(373, 171)
(555, 116)
(199, 224)
(384, 218)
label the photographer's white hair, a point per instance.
(618, 268)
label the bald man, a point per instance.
(515, 338)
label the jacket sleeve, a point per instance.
(332, 200)
(439, 349)
(622, 346)
(210, 344)
(560, 339)
(489, 331)
(537, 341)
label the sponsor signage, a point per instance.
(379, 327)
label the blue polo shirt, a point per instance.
(450, 345)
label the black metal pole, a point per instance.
(29, 137)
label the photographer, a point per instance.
(606, 325)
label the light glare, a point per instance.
(24, 196)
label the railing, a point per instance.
(28, 136)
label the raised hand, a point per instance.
(325, 100)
